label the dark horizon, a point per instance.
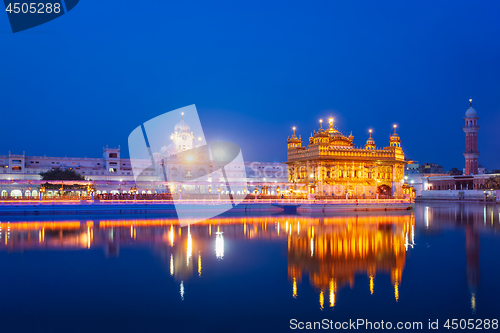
(254, 70)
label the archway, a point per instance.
(384, 192)
(16, 193)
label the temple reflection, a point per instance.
(334, 250)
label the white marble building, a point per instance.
(112, 173)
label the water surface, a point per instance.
(248, 273)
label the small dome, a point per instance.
(164, 149)
(470, 113)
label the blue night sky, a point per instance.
(254, 70)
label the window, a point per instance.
(16, 161)
(113, 155)
(112, 163)
(112, 170)
(16, 168)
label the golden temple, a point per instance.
(332, 166)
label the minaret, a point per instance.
(471, 153)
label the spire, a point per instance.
(182, 115)
(395, 126)
(470, 102)
(370, 133)
(294, 128)
(321, 123)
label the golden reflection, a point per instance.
(321, 300)
(337, 249)
(171, 235)
(199, 265)
(331, 250)
(333, 290)
(473, 302)
(189, 250)
(88, 237)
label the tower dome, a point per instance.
(182, 126)
(164, 148)
(470, 113)
(370, 143)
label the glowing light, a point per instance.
(396, 291)
(333, 289)
(88, 237)
(371, 285)
(171, 264)
(312, 247)
(189, 250)
(199, 265)
(473, 302)
(219, 245)
(321, 300)
(294, 288)
(171, 235)
(131, 231)
(182, 290)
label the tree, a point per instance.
(454, 171)
(61, 174)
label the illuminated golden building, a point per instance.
(332, 165)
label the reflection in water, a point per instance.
(475, 218)
(333, 250)
(330, 250)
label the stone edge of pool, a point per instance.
(54, 209)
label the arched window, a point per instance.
(16, 193)
(113, 155)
